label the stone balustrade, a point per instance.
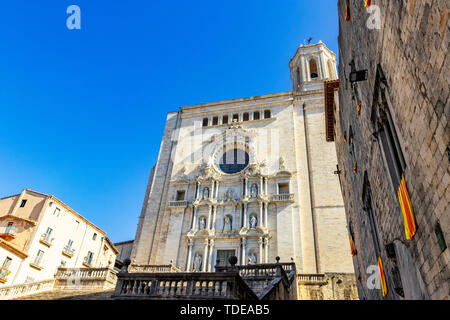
(178, 204)
(92, 278)
(153, 268)
(182, 285)
(311, 279)
(283, 197)
(25, 289)
(260, 281)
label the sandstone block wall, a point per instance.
(411, 47)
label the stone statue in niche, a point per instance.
(253, 221)
(227, 227)
(252, 258)
(197, 262)
(205, 193)
(281, 164)
(202, 223)
(229, 194)
(254, 190)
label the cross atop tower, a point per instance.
(311, 65)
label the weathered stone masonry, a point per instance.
(408, 72)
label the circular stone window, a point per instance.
(233, 161)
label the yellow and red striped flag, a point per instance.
(407, 211)
(358, 108)
(352, 246)
(347, 13)
(367, 4)
(382, 277)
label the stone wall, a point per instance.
(328, 286)
(411, 50)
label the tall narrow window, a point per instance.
(38, 259)
(22, 204)
(56, 212)
(394, 157)
(236, 117)
(256, 115)
(225, 119)
(392, 151)
(367, 202)
(9, 228)
(205, 122)
(48, 233)
(267, 114)
(215, 121)
(7, 263)
(88, 258)
(246, 116)
(313, 69)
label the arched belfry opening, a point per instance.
(313, 71)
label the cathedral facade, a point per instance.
(252, 178)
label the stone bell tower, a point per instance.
(311, 66)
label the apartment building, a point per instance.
(39, 233)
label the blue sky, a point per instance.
(82, 112)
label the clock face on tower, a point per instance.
(233, 161)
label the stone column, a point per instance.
(211, 248)
(213, 190)
(308, 72)
(209, 217)
(217, 190)
(265, 186)
(189, 255)
(205, 255)
(261, 187)
(265, 214)
(245, 215)
(246, 187)
(321, 66)
(261, 219)
(260, 242)
(266, 251)
(194, 218)
(304, 73)
(213, 222)
(243, 249)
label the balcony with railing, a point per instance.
(178, 204)
(8, 233)
(37, 262)
(68, 251)
(4, 273)
(285, 197)
(87, 261)
(46, 240)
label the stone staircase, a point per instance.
(69, 295)
(275, 281)
(68, 284)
